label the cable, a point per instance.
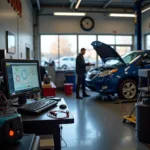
(64, 142)
(5, 105)
(14, 100)
(62, 138)
(54, 114)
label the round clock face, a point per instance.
(87, 23)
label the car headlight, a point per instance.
(106, 73)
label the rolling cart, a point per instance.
(144, 90)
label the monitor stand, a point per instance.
(21, 101)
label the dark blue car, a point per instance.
(117, 74)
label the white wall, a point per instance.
(103, 25)
(22, 27)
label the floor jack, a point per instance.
(130, 118)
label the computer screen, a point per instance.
(21, 77)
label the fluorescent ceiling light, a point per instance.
(144, 10)
(78, 3)
(69, 14)
(121, 15)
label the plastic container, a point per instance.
(68, 88)
(49, 92)
(71, 78)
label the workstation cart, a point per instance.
(144, 92)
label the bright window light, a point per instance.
(69, 14)
(144, 10)
(78, 3)
(121, 15)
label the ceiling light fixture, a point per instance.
(121, 15)
(144, 10)
(78, 3)
(68, 14)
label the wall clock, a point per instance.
(87, 23)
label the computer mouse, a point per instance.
(62, 106)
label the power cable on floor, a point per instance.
(62, 138)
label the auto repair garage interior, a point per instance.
(116, 36)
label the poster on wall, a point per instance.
(10, 43)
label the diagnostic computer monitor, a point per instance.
(21, 77)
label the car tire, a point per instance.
(127, 89)
(64, 67)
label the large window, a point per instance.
(85, 42)
(148, 42)
(121, 43)
(107, 39)
(67, 51)
(123, 40)
(49, 48)
(62, 49)
(123, 49)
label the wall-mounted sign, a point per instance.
(17, 6)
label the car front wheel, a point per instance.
(127, 89)
(64, 67)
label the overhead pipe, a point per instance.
(38, 4)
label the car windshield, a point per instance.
(130, 57)
(112, 62)
(127, 58)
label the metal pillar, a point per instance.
(138, 26)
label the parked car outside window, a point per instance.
(66, 62)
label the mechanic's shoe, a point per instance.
(79, 97)
(86, 95)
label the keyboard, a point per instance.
(54, 98)
(37, 106)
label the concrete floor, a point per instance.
(98, 125)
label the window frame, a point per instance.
(77, 43)
(145, 41)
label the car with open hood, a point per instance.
(118, 74)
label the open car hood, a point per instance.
(106, 52)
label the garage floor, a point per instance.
(98, 125)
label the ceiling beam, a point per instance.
(38, 4)
(110, 1)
